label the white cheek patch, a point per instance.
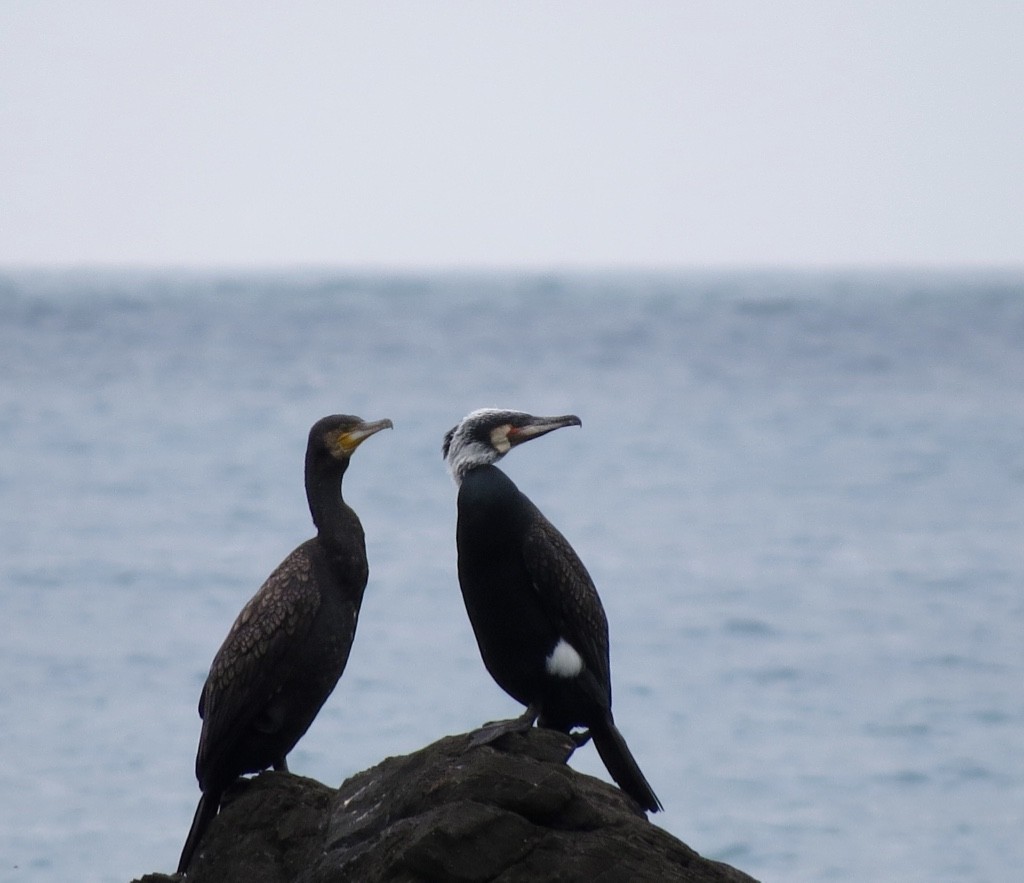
(499, 438)
(564, 661)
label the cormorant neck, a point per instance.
(486, 485)
(464, 457)
(326, 505)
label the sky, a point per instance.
(545, 135)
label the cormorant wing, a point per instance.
(568, 594)
(257, 657)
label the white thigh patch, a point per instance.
(564, 661)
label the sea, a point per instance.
(800, 494)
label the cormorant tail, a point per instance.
(207, 809)
(621, 765)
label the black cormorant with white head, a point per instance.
(538, 620)
(288, 647)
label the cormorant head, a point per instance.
(339, 435)
(485, 436)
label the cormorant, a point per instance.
(538, 620)
(289, 645)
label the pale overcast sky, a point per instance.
(512, 134)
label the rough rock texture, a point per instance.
(508, 812)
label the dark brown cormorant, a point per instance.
(289, 645)
(538, 620)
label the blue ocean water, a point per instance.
(801, 496)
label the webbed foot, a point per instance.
(493, 730)
(580, 737)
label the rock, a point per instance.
(508, 812)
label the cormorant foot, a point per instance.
(580, 737)
(493, 730)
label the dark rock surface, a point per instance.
(508, 812)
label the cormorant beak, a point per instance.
(352, 438)
(538, 426)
